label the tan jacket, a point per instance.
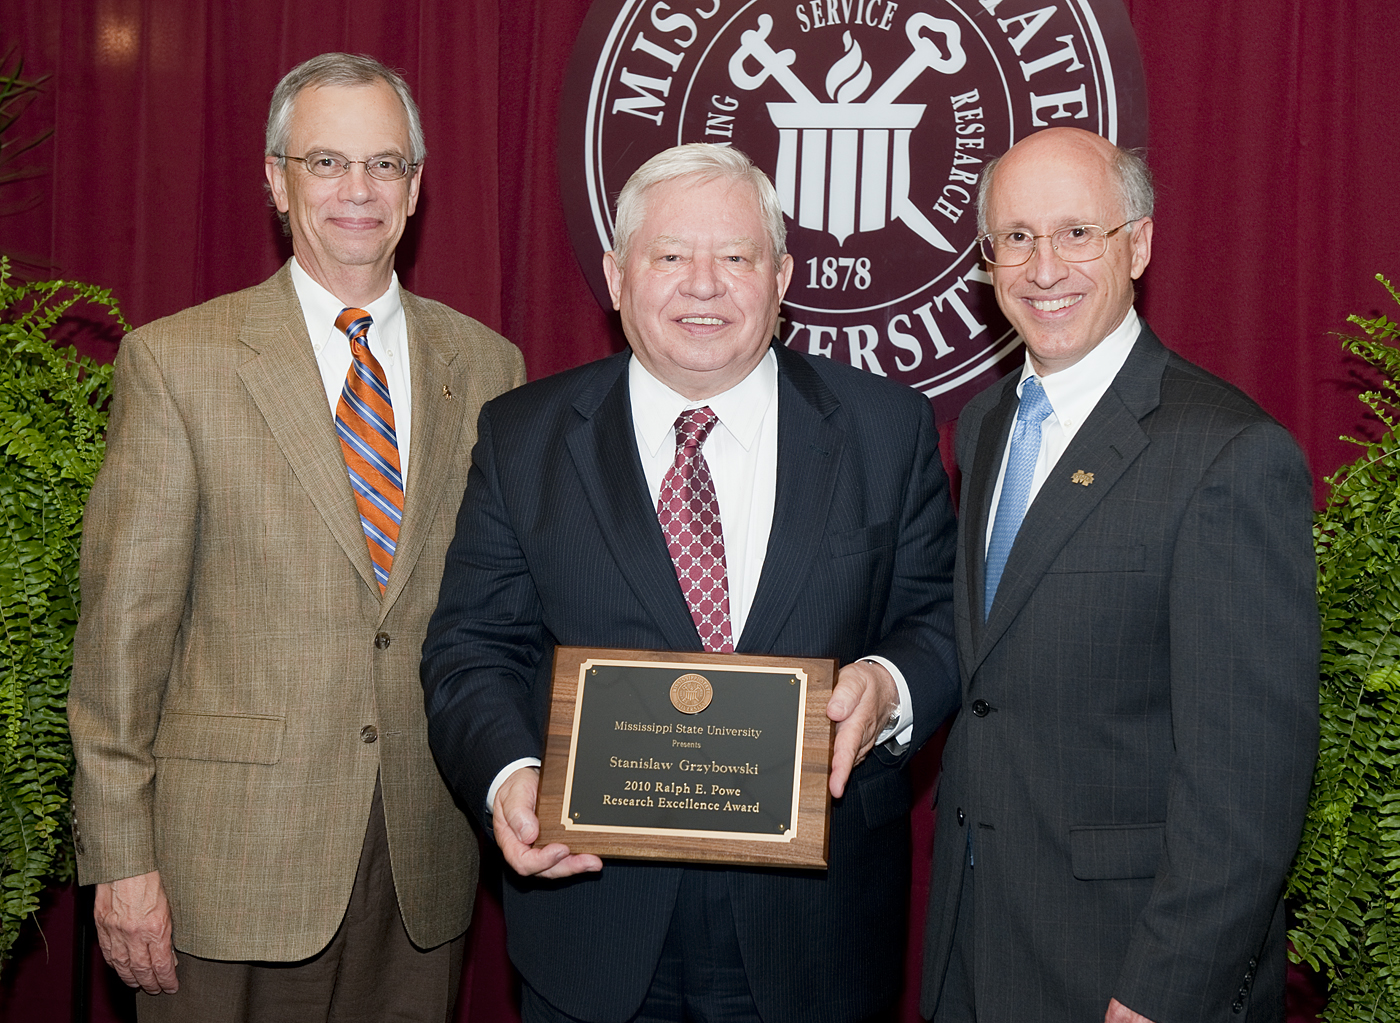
(238, 682)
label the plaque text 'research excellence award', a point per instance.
(714, 758)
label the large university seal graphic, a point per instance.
(874, 119)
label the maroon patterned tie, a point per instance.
(689, 514)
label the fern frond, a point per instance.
(52, 423)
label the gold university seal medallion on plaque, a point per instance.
(690, 694)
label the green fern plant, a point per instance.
(1346, 878)
(52, 422)
(16, 93)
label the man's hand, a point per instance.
(861, 704)
(133, 928)
(1120, 1013)
(517, 827)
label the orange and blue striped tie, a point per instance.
(364, 420)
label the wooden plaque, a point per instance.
(707, 758)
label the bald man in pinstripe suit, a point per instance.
(1125, 785)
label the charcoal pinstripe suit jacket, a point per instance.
(1139, 717)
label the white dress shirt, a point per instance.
(388, 341)
(1072, 392)
(742, 454)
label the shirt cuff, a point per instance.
(501, 777)
(900, 731)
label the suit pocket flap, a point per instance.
(884, 798)
(856, 541)
(1110, 558)
(1113, 852)
(227, 738)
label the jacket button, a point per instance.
(369, 734)
(980, 708)
(1254, 964)
(381, 641)
(1237, 1007)
(961, 816)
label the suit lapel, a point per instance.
(809, 456)
(1108, 442)
(284, 381)
(437, 427)
(604, 451)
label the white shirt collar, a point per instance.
(1073, 392)
(320, 307)
(740, 409)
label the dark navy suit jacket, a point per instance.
(558, 543)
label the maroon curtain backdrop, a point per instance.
(1275, 153)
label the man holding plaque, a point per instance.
(816, 524)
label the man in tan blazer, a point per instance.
(254, 784)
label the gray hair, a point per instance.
(709, 162)
(1129, 167)
(337, 69)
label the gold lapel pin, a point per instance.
(446, 392)
(1082, 478)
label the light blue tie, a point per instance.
(1016, 487)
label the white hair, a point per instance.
(709, 163)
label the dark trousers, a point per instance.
(370, 972)
(957, 1002)
(700, 978)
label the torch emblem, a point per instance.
(843, 166)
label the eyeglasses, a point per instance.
(384, 167)
(1081, 243)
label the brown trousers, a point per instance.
(370, 972)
